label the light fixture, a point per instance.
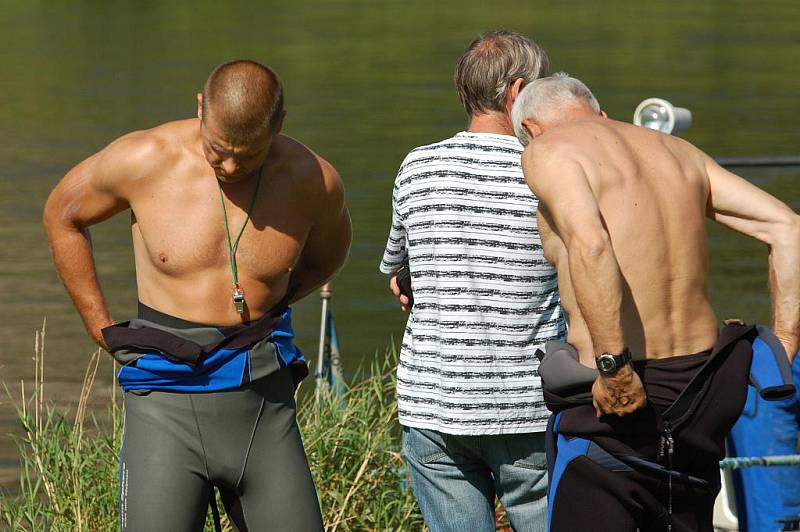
(659, 114)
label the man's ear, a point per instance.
(532, 128)
(280, 122)
(603, 114)
(200, 105)
(513, 91)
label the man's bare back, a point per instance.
(622, 215)
(651, 191)
(296, 238)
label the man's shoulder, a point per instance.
(470, 142)
(154, 144)
(467, 147)
(307, 171)
(297, 159)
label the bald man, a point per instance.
(231, 222)
(622, 216)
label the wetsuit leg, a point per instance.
(162, 476)
(256, 457)
(589, 496)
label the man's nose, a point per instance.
(229, 166)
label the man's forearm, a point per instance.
(72, 254)
(598, 285)
(784, 277)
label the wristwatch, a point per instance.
(609, 364)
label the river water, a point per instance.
(365, 82)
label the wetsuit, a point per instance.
(211, 407)
(764, 495)
(657, 468)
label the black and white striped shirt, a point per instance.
(484, 296)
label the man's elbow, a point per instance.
(52, 217)
(589, 245)
(786, 231)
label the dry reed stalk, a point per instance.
(37, 434)
(86, 390)
(36, 378)
(40, 382)
(22, 394)
(77, 432)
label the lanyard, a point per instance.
(238, 295)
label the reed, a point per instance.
(68, 462)
(353, 444)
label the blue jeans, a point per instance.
(455, 479)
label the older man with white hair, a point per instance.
(622, 216)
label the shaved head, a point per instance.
(244, 98)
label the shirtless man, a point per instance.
(231, 221)
(622, 215)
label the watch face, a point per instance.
(606, 363)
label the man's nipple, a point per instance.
(162, 257)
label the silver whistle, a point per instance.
(238, 300)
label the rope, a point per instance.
(751, 461)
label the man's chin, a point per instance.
(230, 178)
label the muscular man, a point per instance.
(469, 396)
(622, 216)
(231, 221)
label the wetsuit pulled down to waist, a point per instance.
(211, 407)
(657, 468)
(161, 352)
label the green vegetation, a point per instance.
(68, 476)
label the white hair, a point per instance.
(544, 99)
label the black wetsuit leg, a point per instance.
(271, 488)
(163, 481)
(245, 441)
(596, 481)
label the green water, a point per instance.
(365, 82)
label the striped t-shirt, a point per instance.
(485, 298)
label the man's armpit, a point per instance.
(552, 245)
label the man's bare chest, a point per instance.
(185, 233)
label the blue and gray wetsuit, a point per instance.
(207, 407)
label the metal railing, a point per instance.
(759, 162)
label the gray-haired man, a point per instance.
(623, 217)
(469, 395)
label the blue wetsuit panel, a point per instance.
(224, 369)
(767, 428)
(567, 449)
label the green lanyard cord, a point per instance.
(232, 247)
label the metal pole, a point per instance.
(779, 160)
(325, 295)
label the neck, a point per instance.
(241, 181)
(491, 122)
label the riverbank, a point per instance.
(68, 470)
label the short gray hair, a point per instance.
(544, 99)
(491, 63)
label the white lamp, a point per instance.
(659, 114)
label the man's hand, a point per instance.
(618, 394)
(97, 335)
(404, 301)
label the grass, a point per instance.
(68, 470)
